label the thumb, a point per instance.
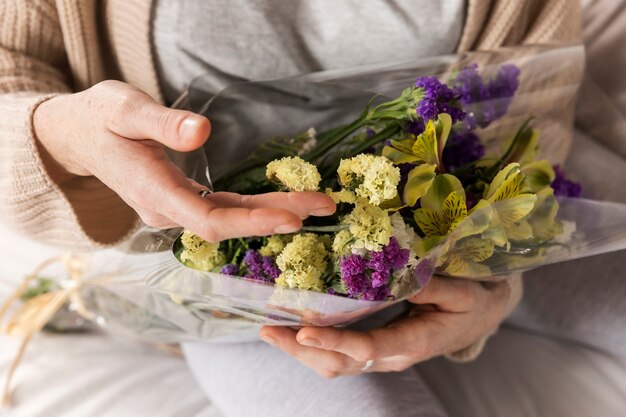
(143, 118)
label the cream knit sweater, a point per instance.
(51, 47)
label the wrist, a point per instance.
(47, 136)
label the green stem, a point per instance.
(384, 134)
(325, 229)
(334, 139)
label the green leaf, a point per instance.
(419, 181)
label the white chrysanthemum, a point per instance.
(369, 225)
(294, 173)
(199, 254)
(370, 176)
(303, 262)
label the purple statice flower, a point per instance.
(469, 87)
(377, 261)
(415, 127)
(438, 98)
(376, 294)
(352, 268)
(396, 256)
(485, 102)
(379, 278)
(230, 269)
(461, 149)
(270, 269)
(260, 267)
(356, 284)
(563, 186)
(352, 265)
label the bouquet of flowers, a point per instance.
(411, 171)
(436, 168)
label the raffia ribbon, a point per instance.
(33, 315)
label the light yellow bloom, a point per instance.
(294, 173)
(275, 245)
(303, 262)
(369, 225)
(200, 254)
(369, 176)
(342, 243)
(342, 196)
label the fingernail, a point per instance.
(188, 128)
(269, 340)
(310, 342)
(324, 211)
(286, 228)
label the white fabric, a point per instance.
(89, 374)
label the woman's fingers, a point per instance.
(449, 294)
(326, 363)
(362, 346)
(135, 115)
(303, 204)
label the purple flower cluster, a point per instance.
(438, 98)
(563, 186)
(366, 277)
(462, 148)
(230, 269)
(262, 268)
(485, 102)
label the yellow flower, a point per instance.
(342, 243)
(372, 177)
(342, 196)
(200, 254)
(274, 245)
(303, 262)
(294, 173)
(369, 225)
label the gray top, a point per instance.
(236, 40)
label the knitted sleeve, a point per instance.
(33, 68)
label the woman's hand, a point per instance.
(449, 315)
(117, 133)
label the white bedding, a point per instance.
(91, 374)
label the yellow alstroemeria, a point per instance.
(426, 147)
(511, 201)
